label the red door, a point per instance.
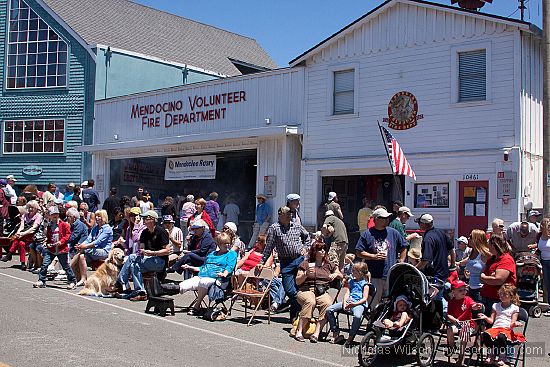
(473, 204)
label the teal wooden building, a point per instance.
(57, 57)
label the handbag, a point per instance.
(320, 289)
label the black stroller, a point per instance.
(404, 279)
(529, 271)
(11, 224)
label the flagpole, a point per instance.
(395, 180)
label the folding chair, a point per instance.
(249, 294)
(348, 313)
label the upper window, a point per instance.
(472, 76)
(37, 56)
(34, 136)
(344, 85)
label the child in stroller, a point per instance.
(529, 272)
(400, 315)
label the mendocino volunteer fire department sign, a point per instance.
(403, 111)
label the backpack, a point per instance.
(215, 313)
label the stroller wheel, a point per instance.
(368, 351)
(425, 350)
(535, 311)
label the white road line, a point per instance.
(185, 325)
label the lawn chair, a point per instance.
(254, 294)
(366, 314)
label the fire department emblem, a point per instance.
(403, 111)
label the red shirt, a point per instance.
(252, 260)
(64, 231)
(505, 262)
(461, 309)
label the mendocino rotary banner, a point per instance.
(190, 168)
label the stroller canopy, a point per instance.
(406, 279)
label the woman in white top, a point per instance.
(144, 204)
(543, 247)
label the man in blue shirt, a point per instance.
(91, 197)
(262, 220)
(79, 231)
(437, 247)
(382, 247)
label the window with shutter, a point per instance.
(344, 99)
(472, 76)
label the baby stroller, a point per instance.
(11, 224)
(529, 271)
(405, 279)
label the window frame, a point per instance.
(332, 70)
(455, 83)
(34, 119)
(441, 185)
(6, 55)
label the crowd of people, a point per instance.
(195, 238)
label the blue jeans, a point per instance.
(276, 292)
(38, 248)
(137, 265)
(546, 278)
(289, 269)
(63, 260)
(190, 258)
(355, 324)
(92, 254)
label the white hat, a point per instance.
(190, 197)
(232, 226)
(331, 195)
(150, 213)
(329, 212)
(425, 218)
(381, 213)
(402, 298)
(462, 239)
(199, 223)
(53, 210)
(10, 177)
(291, 197)
(404, 209)
(84, 183)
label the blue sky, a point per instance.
(286, 28)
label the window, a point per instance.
(34, 136)
(344, 99)
(37, 56)
(431, 195)
(472, 76)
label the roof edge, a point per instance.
(524, 25)
(67, 27)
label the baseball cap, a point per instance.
(329, 212)
(84, 183)
(425, 218)
(232, 226)
(199, 223)
(291, 197)
(53, 210)
(404, 209)
(190, 197)
(135, 210)
(458, 284)
(168, 219)
(71, 184)
(462, 239)
(331, 195)
(380, 213)
(150, 213)
(534, 212)
(10, 177)
(284, 210)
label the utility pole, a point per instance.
(522, 8)
(546, 106)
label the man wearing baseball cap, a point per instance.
(200, 245)
(155, 249)
(10, 191)
(332, 204)
(382, 247)
(261, 220)
(293, 202)
(403, 215)
(533, 217)
(521, 235)
(436, 248)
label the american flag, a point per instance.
(400, 165)
(465, 330)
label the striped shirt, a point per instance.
(289, 242)
(178, 236)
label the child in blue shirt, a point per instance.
(355, 300)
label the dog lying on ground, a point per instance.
(105, 276)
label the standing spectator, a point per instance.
(534, 218)
(111, 203)
(500, 269)
(476, 262)
(91, 197)
(381, 247)
(543, 246)
(168, 207)
(69, 192)
(395, 209)
(86, 216)
(332, 204)
(200, 213)
(293, 202)
(4, 204)
(77, 195)
(57, 237)
(403, 215)
(497, 228)
(187, 211)
(290, 240)
(137, 197)
(231, 211)
(521, 235)
(213, 208)
(10, 191)
(334, 230)
(363, 215)
(174, 235)
(145, 204)
(48, 196)
(462, 251)
(125, 202)
(155, 245)
(30, 192)
(436, 249)
(262, 219)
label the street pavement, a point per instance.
(56, 327)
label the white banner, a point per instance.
(191, 168)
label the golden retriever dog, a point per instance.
(105, 276)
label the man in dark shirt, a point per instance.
(436, 248)
(111, 203)
(91, 197)
(200, 246)
(153, 256)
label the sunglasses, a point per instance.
(501, 226)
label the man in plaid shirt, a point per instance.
(291, 241)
